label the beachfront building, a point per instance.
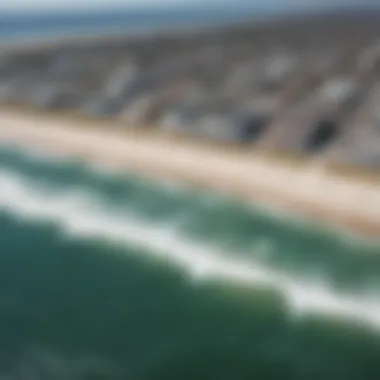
(294, 89)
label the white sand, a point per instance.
(352, 205)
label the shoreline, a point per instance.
(311, 193)
(94, 35)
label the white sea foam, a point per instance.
(38, 155)
(82, 215)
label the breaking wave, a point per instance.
(81, 211)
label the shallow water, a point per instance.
(105, 275)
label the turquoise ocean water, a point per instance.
(104, 275)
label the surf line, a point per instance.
(82, 215)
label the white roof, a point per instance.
(280, 65)
(336, 90)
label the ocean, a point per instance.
(42, 25)
(106, 275)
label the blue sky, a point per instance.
(30, 5)
(22, 5)
(72, 5)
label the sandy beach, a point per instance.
(310, 191)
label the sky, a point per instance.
(37, 5)
(73, 5)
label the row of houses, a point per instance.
(277, 87)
